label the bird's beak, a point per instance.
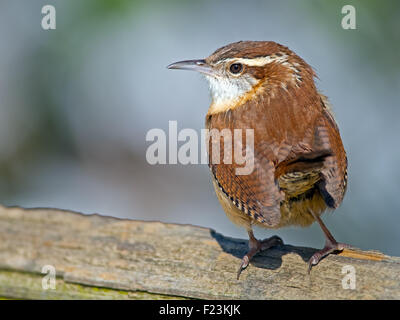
(195, 65)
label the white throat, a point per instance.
(227, 91)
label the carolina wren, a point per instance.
(300, 165)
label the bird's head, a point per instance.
(247, 70)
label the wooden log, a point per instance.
(98, 257)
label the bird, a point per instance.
(299, 161)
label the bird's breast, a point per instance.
(277, 122)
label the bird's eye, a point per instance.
(236, 68)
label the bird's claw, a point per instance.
(255, 247)
(243, 265)
(330, 247)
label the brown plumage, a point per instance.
(300, 165)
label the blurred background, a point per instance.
(76, 104)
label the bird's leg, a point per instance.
(256, 246)
(331, 245)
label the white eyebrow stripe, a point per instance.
(259, 61)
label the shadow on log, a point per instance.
(97, 257)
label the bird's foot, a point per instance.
(330, 247)
(255, 247)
